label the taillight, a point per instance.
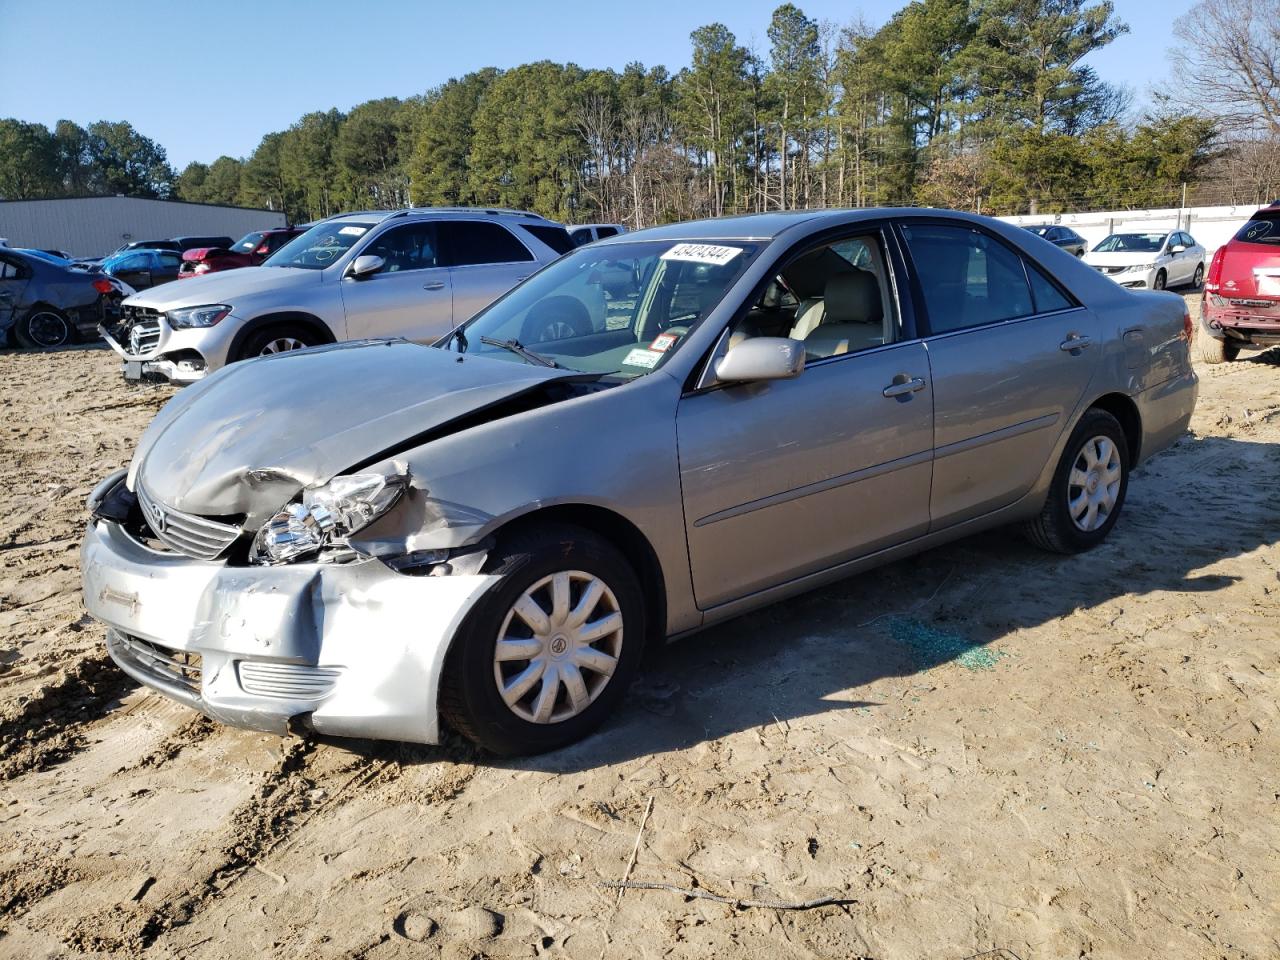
(1214, 278)
(103, 285)
(1188, 328)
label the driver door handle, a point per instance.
(434, 285)
(902, 386)
(1074, 342)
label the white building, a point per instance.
(94, 226)
(1211, 227)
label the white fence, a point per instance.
(1210, 226)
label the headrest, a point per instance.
(853, 297)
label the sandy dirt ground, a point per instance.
(984, 751)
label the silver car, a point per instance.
(405, 273)
(656, 433)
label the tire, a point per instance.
(43, 328)
(1055, 529)
(1213, 350)
(275, 339)
(1161, 280)
(1198, 279)
(470, 700)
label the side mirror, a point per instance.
(1177, 248)
(365, 266)
(761, 358)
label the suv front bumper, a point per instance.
(181, 357)
(343, 649)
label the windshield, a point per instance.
(248, 243)
(319, 246)
(619, 309)
(1263, 228)
(1131, 243)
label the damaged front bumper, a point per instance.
(343, 649)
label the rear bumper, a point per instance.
(1244, 326)
(344, 649)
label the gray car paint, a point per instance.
(743, 493)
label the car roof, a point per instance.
(770, 226)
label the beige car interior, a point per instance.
(832, 298)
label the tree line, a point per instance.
(985, 105)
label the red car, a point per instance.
(249, 251)
(1241, 305)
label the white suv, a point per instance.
(413, 273)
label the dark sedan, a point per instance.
(142, 269)
(1063, 237)
(43, 304)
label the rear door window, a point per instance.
(557, 238)
(469, 242)
(968, 278)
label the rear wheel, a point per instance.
(44, 327)
(547, 653)
(1161, 281)
(277, 339)
(1213, 350)
(1088, 487)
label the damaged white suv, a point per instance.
(405, 273)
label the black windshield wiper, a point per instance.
(516, 347)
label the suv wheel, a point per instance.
(1088, 487)
(1213, 350)
(279, 339)
(44, 327)
(549, 651)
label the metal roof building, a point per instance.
(93, 226)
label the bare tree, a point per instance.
(1228, 62)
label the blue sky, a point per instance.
(216, 80)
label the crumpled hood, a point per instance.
(248, 438)
(228, 286)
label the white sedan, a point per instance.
(1150, 261)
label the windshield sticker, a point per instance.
(640, 357)
(664, 342)
(353, 231)
(702, 253)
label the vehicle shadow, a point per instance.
(812, 654)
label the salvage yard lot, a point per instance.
(982, 749)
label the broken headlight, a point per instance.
(325, 516)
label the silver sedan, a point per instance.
(653, 434)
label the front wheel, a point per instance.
(548, 652)
(1161, 280)
(279, 339)
(1198, 278)
(44, 327)
(1088, 487)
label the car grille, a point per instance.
(194, 536)
(172, 666)
(1112, 271)
(139, 330)
(287, 681)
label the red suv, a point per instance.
(1241, 305)
(249, 251)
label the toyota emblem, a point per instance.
(158, 518)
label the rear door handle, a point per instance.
(435, 285)
(1074, 342)
(902, 385)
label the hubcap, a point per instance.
(558, 647)
(48, 329)
(1094, 484)
(282, 345)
